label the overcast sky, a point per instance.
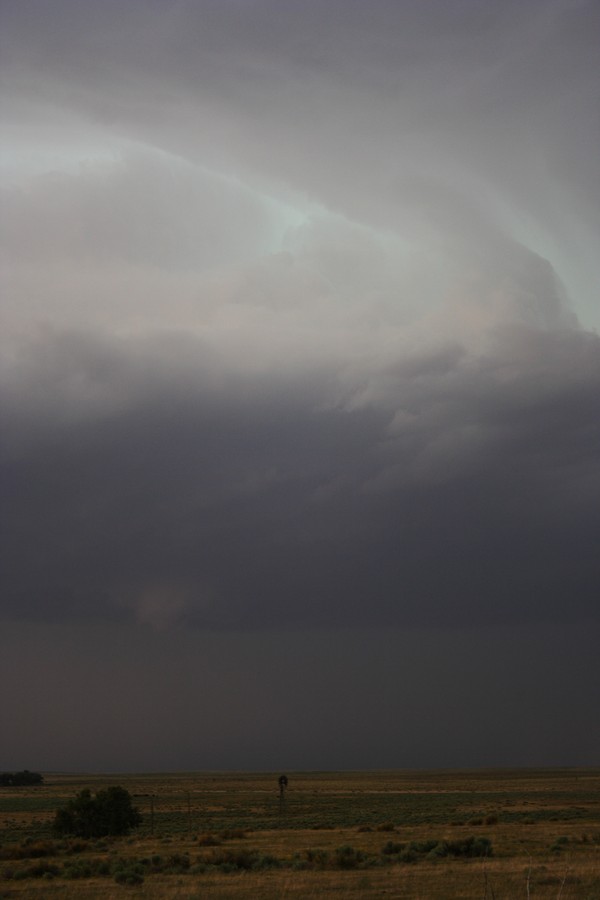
(300, 383)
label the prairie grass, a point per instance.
(486, 835)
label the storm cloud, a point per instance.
(300, 337)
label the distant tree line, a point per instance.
(18, 779)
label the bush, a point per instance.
(392, 848)
(347, 857)
(130, 877)
(239, 860)
(77, 869)
(432, 849)
(316, 859)
(423, 846)
(176, 863)
(471, 846)
(110, 812)
(38, 870)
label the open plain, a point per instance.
(435, 835)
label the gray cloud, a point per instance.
(464, 489)
(298, 699)
(300, 332)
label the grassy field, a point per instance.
(486, 835)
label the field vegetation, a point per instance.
(486, 835)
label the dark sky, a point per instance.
(300, 384)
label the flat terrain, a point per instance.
(435, 835)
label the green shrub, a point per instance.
(198, 869)
(471, 846)
(176, 863)
(110, 812)
(347, 857)
(316, 859)
(392, 848)
(438, 851)
(38, 870)
(432, 849)
(240, 860)
(129, 876)
(86, 868)
(20, 874)
(423, 847)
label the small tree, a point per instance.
(110, 812)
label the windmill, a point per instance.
(283, 783)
